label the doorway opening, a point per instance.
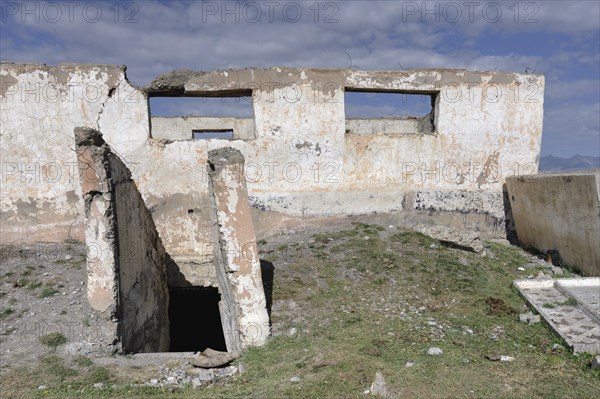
(195, 321)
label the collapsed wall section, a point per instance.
(126, 263)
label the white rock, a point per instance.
(292, 331)
(154, 381)
(295, 379)
(172, 380)
(379, 388)
(521, 269)
(409, 364)
(99, 385)
(433, 351)
(41, 387)
(68, 257)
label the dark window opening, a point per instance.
(226, 134)
(195, 320)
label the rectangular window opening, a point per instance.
(222, 115)
(226, 134)
(389, 112)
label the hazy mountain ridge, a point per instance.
(576, 162)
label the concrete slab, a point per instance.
(570, 306)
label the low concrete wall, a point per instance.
(560, 212)
(127, 279)
(181, 127)
(390, 125)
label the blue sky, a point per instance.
(560, 39)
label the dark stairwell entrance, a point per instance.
(195, 321)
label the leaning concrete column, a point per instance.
(238, 245)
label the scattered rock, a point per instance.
(206, 375)
(211, 358)
(171, 380)
(468, 241)
(467, 330)
(553, 257)
(42, 387)
(557, 270)
(433, 351)
(379, 388)
(521, 269)
(529, 318)
(154, 381)
(500, 358)
(295, 379)
(595, 363)
(409, 364)
(292, 331)
(196, 382)
(99, 385)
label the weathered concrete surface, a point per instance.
(389, 126)
(301, 163)
(559, 212)
(127, 281)
(238, 245)
(570, 306)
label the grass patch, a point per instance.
(568, 302)
(6, 312)
(48, 292)
(53, 339)
(362, 305)
(32, 285)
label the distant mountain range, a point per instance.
(551, 163)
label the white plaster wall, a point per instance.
(301, 163)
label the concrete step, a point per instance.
(570, 306)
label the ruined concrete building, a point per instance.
(183, 204)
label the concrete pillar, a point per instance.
(239, 260)
(127, 279)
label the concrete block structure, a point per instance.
(305, 161)
(559, 212)
(299, 159)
